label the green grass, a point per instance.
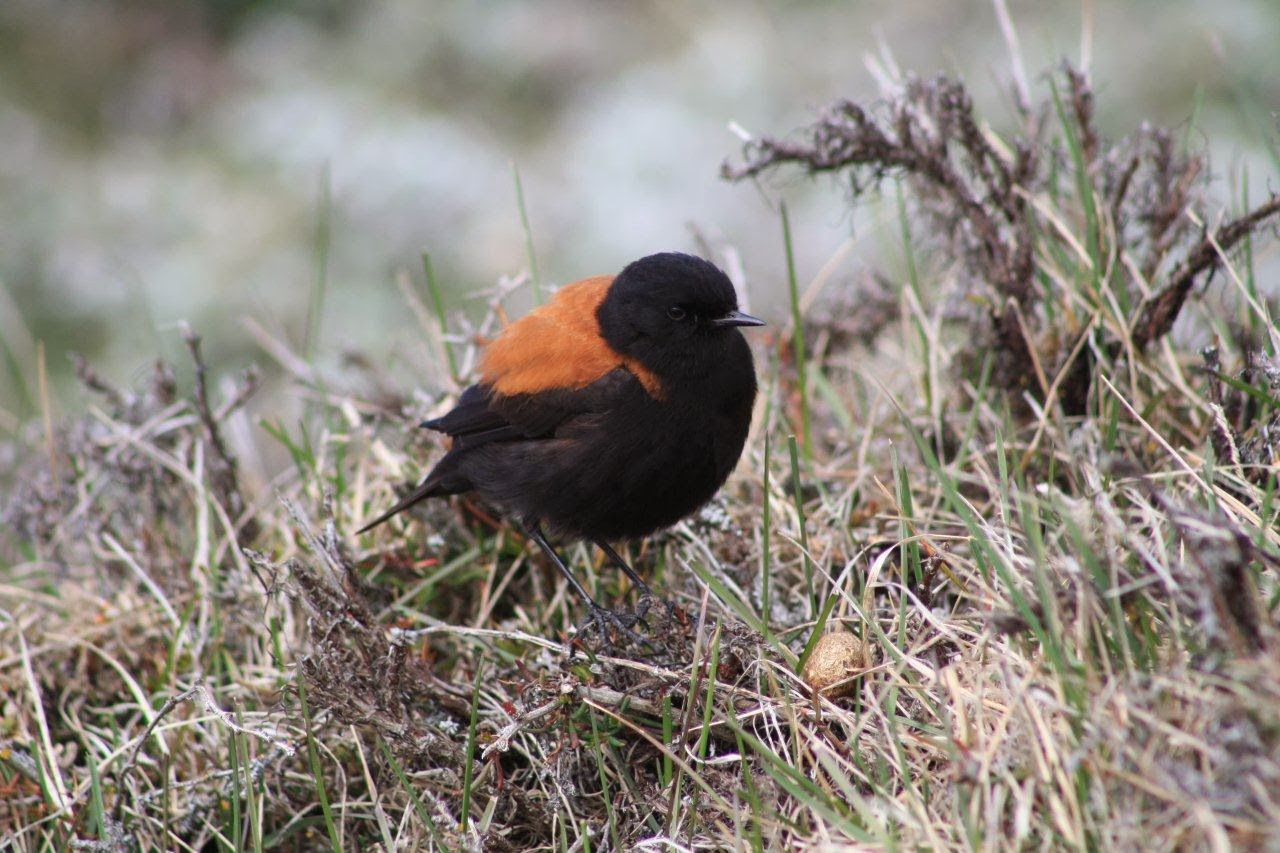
(530, 254)
(798, 351)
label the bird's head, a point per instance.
(675, 313)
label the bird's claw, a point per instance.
(649, 598)
(607, 622)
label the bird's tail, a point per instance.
(429, 487)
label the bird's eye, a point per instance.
(675, 312)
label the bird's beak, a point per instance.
(736, 318)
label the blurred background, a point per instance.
(212, 160)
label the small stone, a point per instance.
(837, 656)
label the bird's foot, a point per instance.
(613, 626)
(649, 598)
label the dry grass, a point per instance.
(1041, 489)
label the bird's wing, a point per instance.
(471, 416)
(545, 369)
(483, 415)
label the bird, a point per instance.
(609, 413)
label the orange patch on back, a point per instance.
(558, 345)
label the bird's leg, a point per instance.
(647, 595)
(536, 534)
(600, 616)
(626, 570)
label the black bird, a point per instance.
(611, 412)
